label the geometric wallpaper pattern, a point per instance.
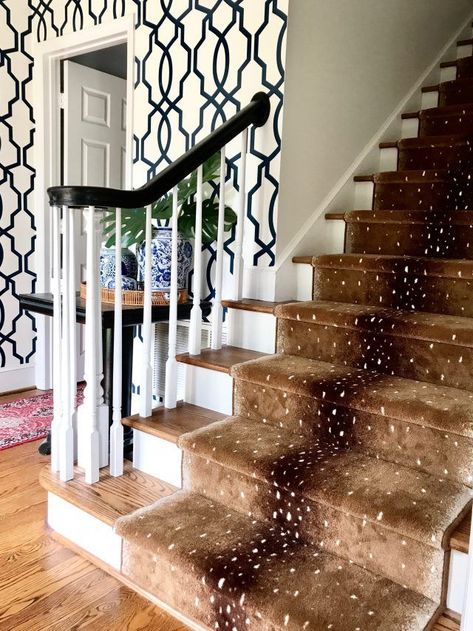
(196, 63)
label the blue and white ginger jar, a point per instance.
(129, 266)
(161, 246)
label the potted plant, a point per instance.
(134, 225)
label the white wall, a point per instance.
(349, 63)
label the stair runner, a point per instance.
(328, 499)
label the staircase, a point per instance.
(329, 498)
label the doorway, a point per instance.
(93, 138)
(84, 112)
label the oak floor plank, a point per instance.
(62, 603)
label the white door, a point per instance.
(94, 144)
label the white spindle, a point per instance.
(146, 394)
(217, 309)
(57, 319)
(116, 432)
(73, 327)
(90, 432)
(170, 394)
(467, 614)
(66, 438)
(195, 329)
(238, 264)
(102, 408)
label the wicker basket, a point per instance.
(135, 298)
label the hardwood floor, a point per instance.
(44, 585)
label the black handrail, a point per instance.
(255, 113)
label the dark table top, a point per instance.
(43, 304)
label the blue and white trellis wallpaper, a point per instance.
(197, 63)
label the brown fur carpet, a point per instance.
(328, 499)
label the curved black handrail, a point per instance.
(255, 113)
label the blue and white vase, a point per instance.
(129, 266)
(161, 246)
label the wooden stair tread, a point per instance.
(170, 424)
(392, 144)
(249, 304)
(448, 621)
(304, 260)
(363, 178)
(407, 115)
(220, 360)
(465, 42)
(460, 539)
(335, 216)
(448, 64)
(430, 88)
(110, 497)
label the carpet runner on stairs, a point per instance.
(328, 499)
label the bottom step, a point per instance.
(230, 571)
(94, 509)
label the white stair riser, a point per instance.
(209, 389)
(448, 74)
(251, 330)
(86, 531)
(304, 281)
(388, 159)
(464, 51)
(410, 128)
(157, 457)
(364, 195)
(429, 99)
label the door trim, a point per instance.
(46, 154)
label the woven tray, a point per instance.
(135, 298)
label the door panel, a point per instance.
(94, 144)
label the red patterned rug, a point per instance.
(27, 419)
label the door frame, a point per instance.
(47, 148)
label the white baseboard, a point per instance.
(157, 457)
(457, 580)
(17, 378)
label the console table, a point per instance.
(132, 317)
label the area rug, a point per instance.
(27, 419)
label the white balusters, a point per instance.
(217, 309)
(239, 230)
(88, 423)
(72, 329)
(57, 326)
(102, 409)
(467, 614)
(146, 394)
(170, 395)
(195, 329)
(66, 432)
(116, 431)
